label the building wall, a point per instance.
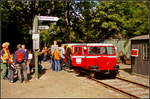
(140, 64)
(122, 45)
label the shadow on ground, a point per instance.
(98, 76)
(42, 72)
(128, 70)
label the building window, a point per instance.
(146, 54)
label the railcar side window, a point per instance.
(110, 50)
(94, 50)
(100, 50)
(103, 50)
(83, 50)
(106, 50)
(78, 51)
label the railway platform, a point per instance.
(63, 84)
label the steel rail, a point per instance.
(139, 84)
(114, 88)
(117, 89)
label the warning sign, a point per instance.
(135, 52)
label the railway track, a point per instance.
(139, 84)
(124, 86)
(128, 88)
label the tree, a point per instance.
(119, 20)
(79, 21)
(17, 20)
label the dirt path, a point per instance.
(56, 84)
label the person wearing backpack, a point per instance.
(57, 57)
(5, 56)
(20, 60)
(29, 57)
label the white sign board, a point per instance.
(35, 36)
(48, 18)
(36, 41)
(43, 27)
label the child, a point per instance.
(11, 69)
(30, 56)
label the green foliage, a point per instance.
(127, 19)
(86, 21)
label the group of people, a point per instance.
(21, 62)
(17, 62)
(60, 56)
(44, 53)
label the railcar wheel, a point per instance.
(77, 71)
(113, 74)
(92, 74)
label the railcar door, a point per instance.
(107, 59)
(91, 58)
(78, 57)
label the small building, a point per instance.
(141, 61)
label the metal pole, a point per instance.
(35, 46)
(36, 63)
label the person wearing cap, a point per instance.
(5, 57)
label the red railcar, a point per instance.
(94, 57)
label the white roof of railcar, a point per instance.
(75, 44)
(99, 44)
(90, 44)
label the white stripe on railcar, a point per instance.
(77, 56)
(89, 44)
(92, 56)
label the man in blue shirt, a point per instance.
(20, 60)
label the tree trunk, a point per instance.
(68, 28)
